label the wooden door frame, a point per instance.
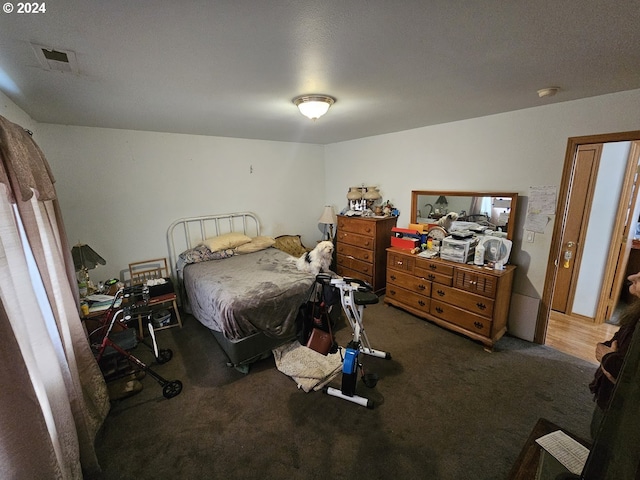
(561, 211)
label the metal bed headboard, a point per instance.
(187, 233)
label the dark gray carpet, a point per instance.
(445, 409)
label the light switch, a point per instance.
(530, 236)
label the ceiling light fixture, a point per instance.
(548, 92)
(313, 106)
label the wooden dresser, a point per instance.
(361, 244)
(471, 300)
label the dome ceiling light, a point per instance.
(548, 92)
(313, 106)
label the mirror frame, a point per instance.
(512, 215)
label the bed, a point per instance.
(248, 301)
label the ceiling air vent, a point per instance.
(55, 59)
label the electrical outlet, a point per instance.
(530, 236)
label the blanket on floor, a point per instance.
(310, 369)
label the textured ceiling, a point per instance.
(231, 68)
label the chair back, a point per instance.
(141, 272)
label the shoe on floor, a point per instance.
(123, 388)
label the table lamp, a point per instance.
(328, 219)
(85, 258)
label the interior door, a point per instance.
(573, 144)
(627, 215)
(575, 225)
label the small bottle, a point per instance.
(84, 307)
(478, 258)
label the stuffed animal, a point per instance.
(446, 221)
(317, 260)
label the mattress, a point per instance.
(246, 294)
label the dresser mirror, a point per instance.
(494, 210)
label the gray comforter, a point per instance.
(244, 294)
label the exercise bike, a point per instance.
(355, 294)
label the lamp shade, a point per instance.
(372, 193)
(442, 200)
(85, 257)
(328, 216)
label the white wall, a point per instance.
(505, 152)
(119, 190)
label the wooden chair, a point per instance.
(145, 270)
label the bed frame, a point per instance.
(187, 233)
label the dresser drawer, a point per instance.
(433, 276)
(347, 272)
(353, 264)
(400, 262)
(434, 267)
(356, 225)
(355, 239)
(410, 299)
(475, 282)
(460, 317)
(462, 299)
(354, 252)
(410, 282)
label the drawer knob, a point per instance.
(432, 266)
(421, 287)
(439, 310)
(421, 303)
(478, 325)
(392, 277)
(431, 276)
(398, 262)
(481, 306)
(440, 292)
(392, 292)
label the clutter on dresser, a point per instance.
(363, 201)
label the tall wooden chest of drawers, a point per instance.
(361, 244)
(464, 298)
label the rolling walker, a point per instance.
(354, 296)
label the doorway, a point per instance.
(613, 278)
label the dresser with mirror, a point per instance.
(469, 299)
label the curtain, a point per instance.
(57, 398)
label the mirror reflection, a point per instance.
(493, 210)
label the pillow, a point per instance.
(201, 253)
(256, 244)
(225, 241)
(292, 244)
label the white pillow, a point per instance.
(256, 244)
(225, 241)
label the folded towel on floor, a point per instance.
(310, 369)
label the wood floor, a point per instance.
(577, 336)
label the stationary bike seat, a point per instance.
(365, 298)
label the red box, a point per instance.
(407, 243)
